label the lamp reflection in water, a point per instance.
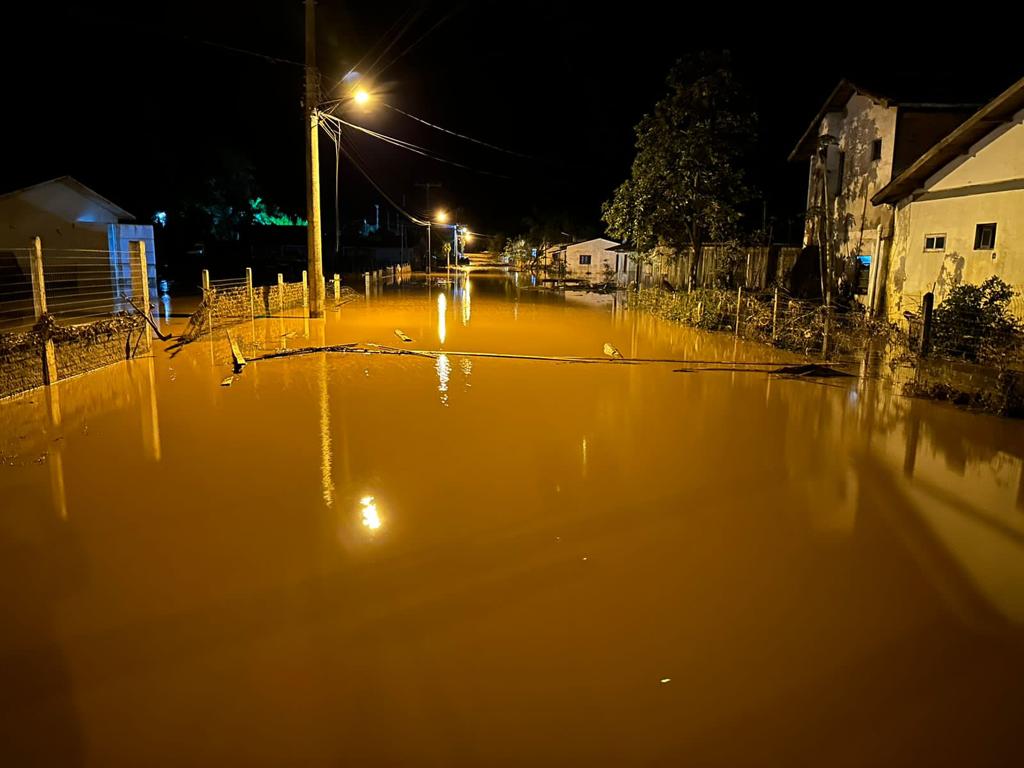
(444, 372)
(442, 308)
(371, 518)
(465, 302)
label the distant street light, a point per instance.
(441, 216)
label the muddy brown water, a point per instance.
(380, 560)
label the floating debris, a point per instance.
(228, 381)
(612, 352)
(811, 370)
(402, 336)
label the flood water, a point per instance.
(347, 559)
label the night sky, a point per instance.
(145, 101)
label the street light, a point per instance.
(361, 96)
(441, 216)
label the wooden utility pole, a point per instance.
(314, 240)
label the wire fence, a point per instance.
(67, 311)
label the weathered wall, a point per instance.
(96, 346)
(985, 185)
(856, 128)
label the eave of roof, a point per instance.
(71, 181)
(997, 112)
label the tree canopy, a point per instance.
(687, 183)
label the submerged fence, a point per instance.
(68, 311)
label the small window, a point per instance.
(840, 171)
(876, 149)
(584, 258)
(935, 242)
(985, 237)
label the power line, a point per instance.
(411, 147)
(459, 135)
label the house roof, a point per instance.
(74, 184)
(908, 95)
(994, 114)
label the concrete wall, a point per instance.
(985, 185)
(856, 128)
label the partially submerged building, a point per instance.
(859, 140)
(958, 210)
(72, 220)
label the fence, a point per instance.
(752, 267)
(774, 317)
(64, 312)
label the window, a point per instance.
(985, 237)
(935, 242)
(840, 171)
(584, 258)
(876, 149)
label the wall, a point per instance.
(20, 221)
(984, 185)
(856, 128)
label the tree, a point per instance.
(686, 184)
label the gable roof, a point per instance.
(991, 116)
(910, 96)
(77, 186)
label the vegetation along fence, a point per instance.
(64, 312)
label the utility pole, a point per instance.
(314, 240)
(426, 186)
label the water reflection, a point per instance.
(371, 518)
(442, 309)
(466, 301)
(444, 372)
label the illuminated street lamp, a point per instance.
(442, 217)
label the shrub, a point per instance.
(974, 322)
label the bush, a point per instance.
(974, 322)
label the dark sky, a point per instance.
(145, 100)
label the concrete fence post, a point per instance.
(926, 325)
(206, 281)
(337, 287)
(249, 291)
(305, 289)
(775, 313)
(366, 279)
(39, 304)
(739, 302)
(280, 292)
(141, 286)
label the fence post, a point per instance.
(926, 325)
(141, 287)
(305, 289)
(337, 287)
(366, 278)
(39, 303)
(827, 329)
(739, 301)
(206, 281)
(775, 313)
(248, 289)
(280, 292)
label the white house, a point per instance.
(959, 210)
(593, 260)
(70, 218)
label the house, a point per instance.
(593, 260)
(83, 227)
(859, 140)
(958, 210)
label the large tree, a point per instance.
(687, 185)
